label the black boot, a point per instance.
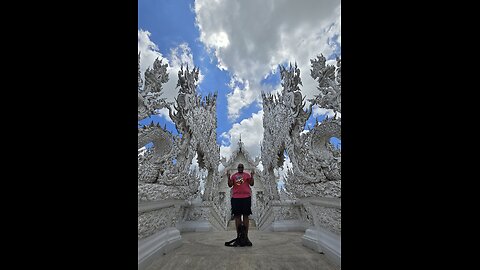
(248, 241)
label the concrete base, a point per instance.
(151, 247)
(287, 226)
(195, 226)
(324, 241)
(270, 250)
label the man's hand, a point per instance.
(229, 181)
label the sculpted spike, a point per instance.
(149, 94)
(329, 83)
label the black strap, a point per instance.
(231, 243)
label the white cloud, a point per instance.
(178, 55)
(251, 130)
(164, 113)
(251, 38)
(225, 138)
(219, 40)
(148, 51)
(317, 111)
(226, 151)
(239, 99)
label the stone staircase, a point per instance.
(231, 225)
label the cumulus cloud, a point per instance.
(148, 51)
(164, 113)
(251, 38)
(251, 130)
(226, 151)
(317, 111)
(238, 99)
(225, 138)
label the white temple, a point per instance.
(169, 199)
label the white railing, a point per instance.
(306, 206)
(324, 202)
(319, 218)
(156, 205)
(160, 236)
(154, 216)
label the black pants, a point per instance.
(241, 206)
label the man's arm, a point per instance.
(230, 181)
(251, 178)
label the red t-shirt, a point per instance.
(241, 189)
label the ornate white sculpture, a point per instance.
(283, 121)
(313, 183)
(316, 169)
(149, 95)
(164, 169)
(163, 173)
(316, 163)
(196, 120)
(329, 83)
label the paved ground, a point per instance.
(270, 250)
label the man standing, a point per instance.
(241, 197)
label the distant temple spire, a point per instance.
(240, 143)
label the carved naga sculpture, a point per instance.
(160, 176)
(319, 173)
(316, 169)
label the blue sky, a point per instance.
(238, 48)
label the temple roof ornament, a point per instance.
(239, 152)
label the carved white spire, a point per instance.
(329, 83)
(149, 94)
(196, 120)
